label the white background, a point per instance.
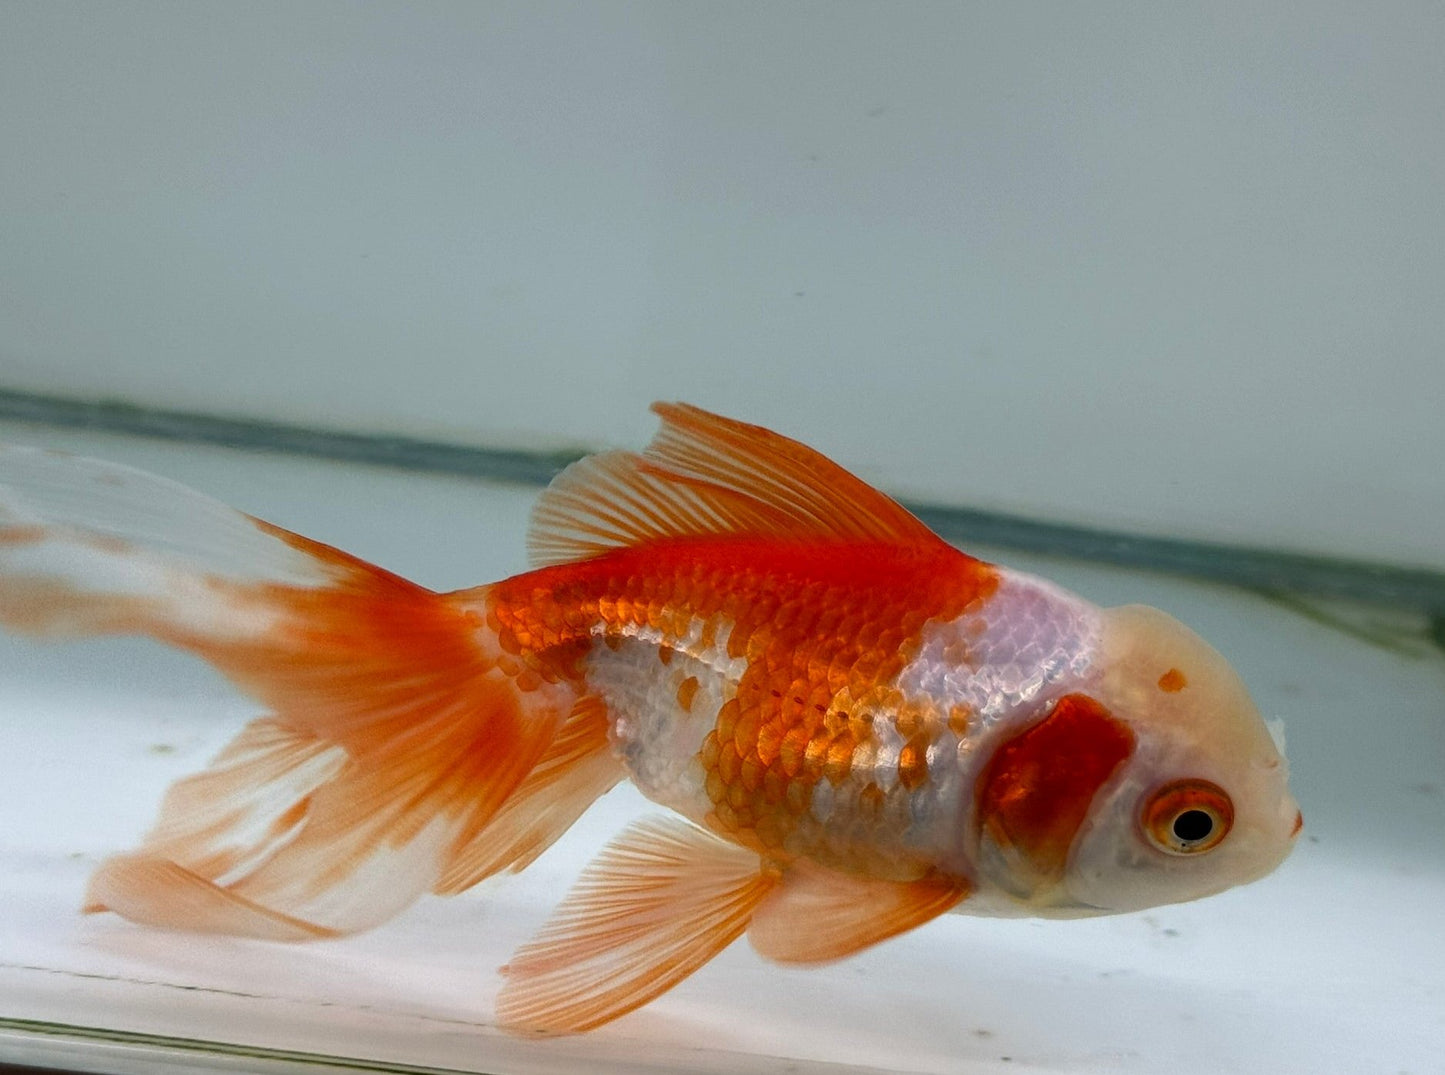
(1170, 268)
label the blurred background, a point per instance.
(1165, 269)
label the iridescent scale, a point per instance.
(816, 719)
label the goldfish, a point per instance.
(853, 726)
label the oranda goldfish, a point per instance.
(855, 726)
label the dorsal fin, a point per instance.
(706, 475)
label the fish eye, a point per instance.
(1187, 817)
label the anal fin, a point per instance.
(658, 903)
(817, 915)
(576, 770)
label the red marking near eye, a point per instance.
(1037, 787)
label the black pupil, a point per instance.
(1193, 826)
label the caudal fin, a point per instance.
(396, 728)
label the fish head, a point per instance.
(1152, 779)
(1202, 802)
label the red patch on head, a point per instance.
(1173, 681)
(1037, 787)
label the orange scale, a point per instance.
(819, 697)
(908, 722)
(771, 830)
(709, 752)
(775, 786)
(815, 757)
(911, 621)
(787, 614)
(686, 692)
(913, 763)
(751, 773)
(798, 797)
(763, 650)
(565, 662)
(811, 594)
(507, 640)
(716, 789)
(958, 719)
(686, 618)
(728, 762)
(868, 667)
(860, 725)
(835, 720)
(839, 760)
(738, 800)
(791, 706)
(745, 731)
(889, 641)
(672, 622)
(797, 662)
(727, 718)
(865, 752)
(816, 667)
(870, 802)
(840, 670)
(724, 818)
(793, 749)
(751, 689)
(770, 740)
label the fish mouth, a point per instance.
(1299, 823)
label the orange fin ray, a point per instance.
(252, 799)
(577, 769)
(94, 523)
(705, 475)
(658, 903)
(157, 892)
(816, 915)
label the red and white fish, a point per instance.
(856, 726)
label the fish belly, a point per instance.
(664, 695)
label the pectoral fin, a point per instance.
(818, 915)
(658, 903)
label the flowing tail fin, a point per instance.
(396, 727)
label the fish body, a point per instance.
(855, 726)
(757, 691)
